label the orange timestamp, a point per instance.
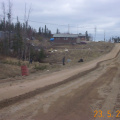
(109, 114)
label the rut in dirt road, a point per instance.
(87, 99)
(78, 106)
(7, 102)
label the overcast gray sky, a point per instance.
(79, 15)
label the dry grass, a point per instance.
(44, 43)
(76, 52)
(11, 67)
(7, 70)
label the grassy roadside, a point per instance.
(11, 67)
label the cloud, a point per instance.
(85, 14)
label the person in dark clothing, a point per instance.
(30, 61)
(64, 60)
(23, 57)
(81, 60)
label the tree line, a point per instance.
(16, 35)
(45, 32)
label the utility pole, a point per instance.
(95, 34)
(77, 29)
(104, 35)
(68, 29)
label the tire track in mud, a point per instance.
(111, 103)
(10, 101)
(77, 106)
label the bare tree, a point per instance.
(26, 20)
(9, 20)
(4, 28)
(3, 9)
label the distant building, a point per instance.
(81, 38)
(69, 38)
(65, 38)
(116, 40)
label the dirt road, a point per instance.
(80, 93)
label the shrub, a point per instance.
(40, 67)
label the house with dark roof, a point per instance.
(68, 38)
(65, 38)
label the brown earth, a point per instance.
(69, 94)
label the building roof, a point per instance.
(81, 35)
(66, 35)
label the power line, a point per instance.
(52, 23)
(72, 26)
